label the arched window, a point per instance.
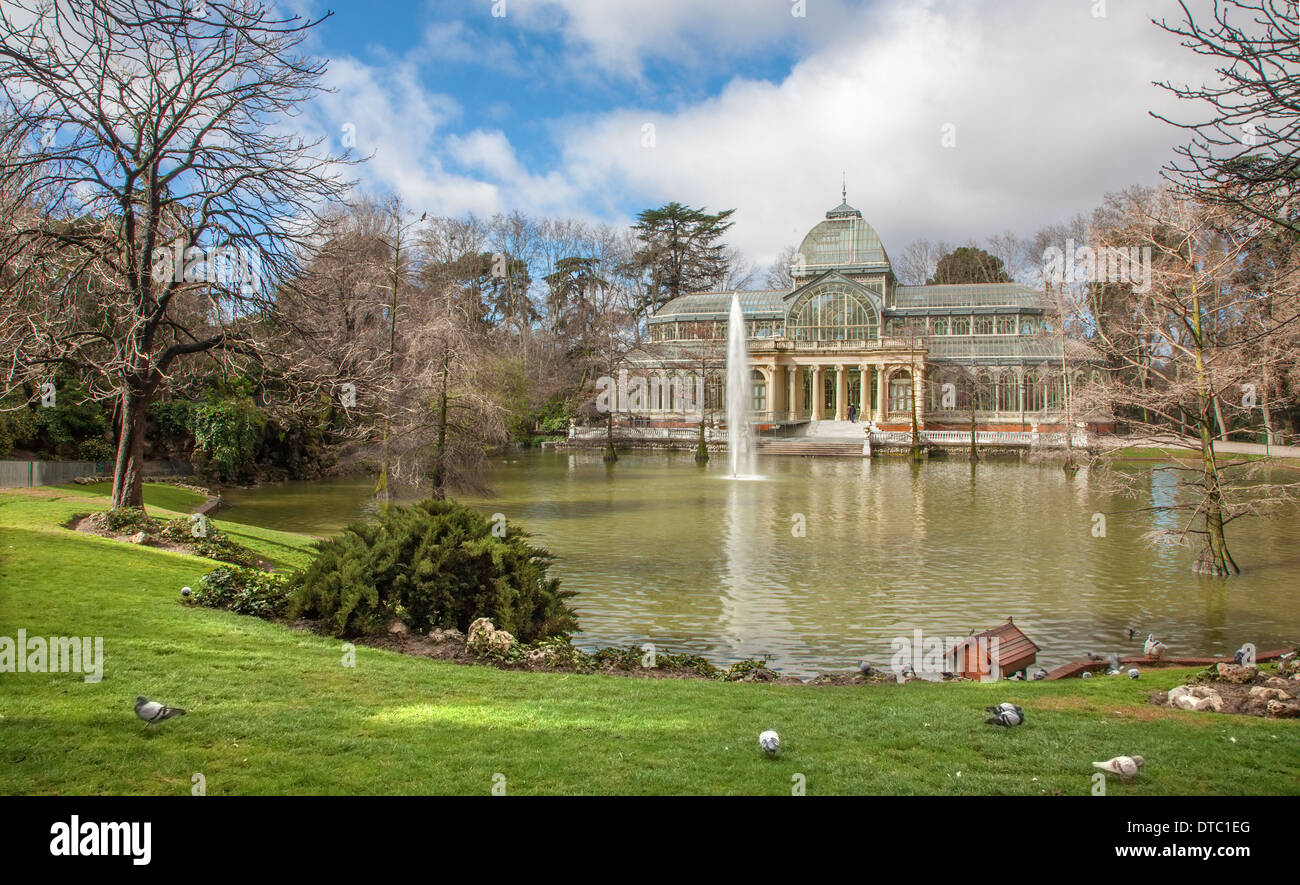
(984, 392)
(758, 391)
(1035, 392)
(713, 393)
(833, 312)
(900, 392)
(1008, 391)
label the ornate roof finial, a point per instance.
(844, 187)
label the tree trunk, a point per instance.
(440, 446)
(128, 472)
(1214, 558)
(610, 455)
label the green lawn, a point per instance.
(156, 495)
(1170, 453)
(274, 711)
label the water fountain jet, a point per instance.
(741, 449)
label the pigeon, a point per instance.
(153, 712)
(1085, 675)
(186, 591)
(864, 668)
(1132, 634)
(1114, 662)
(1112, 671)
(1127, 767)
(1006, 707)
(1094, 657)
(1133, 673)
(1153, 647)
(1238, 656)
(770, 741)
(1006, 718)
(1041, 674)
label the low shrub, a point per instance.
(213, 543)
(433, 564)
(244, 591)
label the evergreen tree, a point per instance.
(681, 251)
(969, 264)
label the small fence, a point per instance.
(24, 474)
(1024, 438)
(683, 434)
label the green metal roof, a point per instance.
(967, 295)
(759, 303)
(843, 240)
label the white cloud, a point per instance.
(1050, 108)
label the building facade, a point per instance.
(848, 342)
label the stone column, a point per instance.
(819, 393)
(796, 390)
(882, 406)
(841, 392)
(864, 393)
(918, 396)
(779, 390)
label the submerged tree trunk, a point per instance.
(1214, 558)
(610, 454)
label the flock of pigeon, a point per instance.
(1005, 715)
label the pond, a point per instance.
(826, 560)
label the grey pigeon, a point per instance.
(153, 712)
(1133, 673)
(1041, 674)
(770, 742)
(1085, 675)
(1007, 718)
(864, 668)
(1005, 707)
(1095, 657)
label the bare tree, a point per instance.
(162, 183)
(1243, 154)
(1190, 360)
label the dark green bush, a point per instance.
(96, 449)
(244, 591)
(436, 563)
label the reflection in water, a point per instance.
(662, 551)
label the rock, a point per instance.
(1195, 697)
(1283, 709)
(1275, 682)
(1269, 694)
(789, 680)
(1237, 675)
(397, 628)
(137, 538)
(438, 634)
(485, 639)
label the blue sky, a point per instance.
(546, 108)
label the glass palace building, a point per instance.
(847, 336)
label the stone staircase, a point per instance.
(811, 447)
(840, 431)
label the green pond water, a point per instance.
(664, 552)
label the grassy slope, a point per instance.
(273, 711)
